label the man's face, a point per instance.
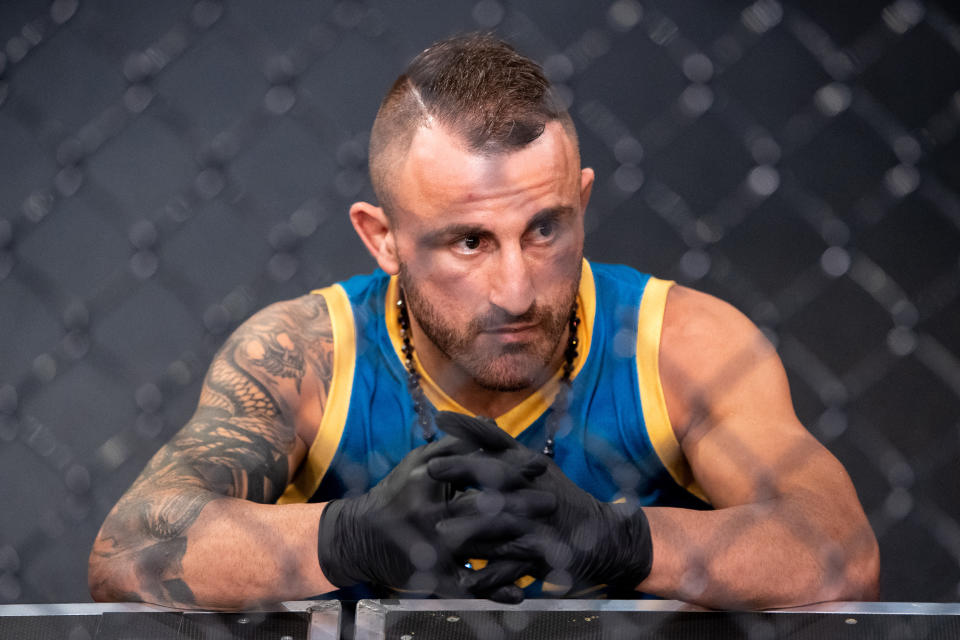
(490, 250)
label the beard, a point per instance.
(491, 364)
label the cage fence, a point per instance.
(170, 168)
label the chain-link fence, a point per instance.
(168, 168)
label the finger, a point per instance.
(483, 432)
(450, 583)
(534, 466)
(496, 580)
(525, 503)
(507, 594)
(447, 446)
(463, 535)
(481, 470)
(462, 532)
(527, 547)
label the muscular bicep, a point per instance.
(729, 401)
(246, 437)
(262, 393)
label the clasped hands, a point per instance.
(479, 493)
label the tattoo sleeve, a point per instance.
(237, 445)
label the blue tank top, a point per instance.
(616, 441)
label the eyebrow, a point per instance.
(460, 229)
(551, 213)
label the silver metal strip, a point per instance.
(79, 609)
(324, 620)
(896, 608)
(301, 605)
(533, 604)
(374, 610)
(371, 619)
(96, 608)
(903, 608)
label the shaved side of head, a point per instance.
(476, 87)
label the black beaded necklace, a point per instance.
(560, 404)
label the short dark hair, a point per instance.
(478, 88)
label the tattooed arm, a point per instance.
(198, 528)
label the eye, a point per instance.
(546, 228)
(469, 243)
(544, 232)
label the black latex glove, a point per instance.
(583, 542)
(389, 536)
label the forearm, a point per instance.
(234, 554)
(759, 556)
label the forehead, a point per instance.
(441, 176)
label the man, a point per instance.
(314, 460)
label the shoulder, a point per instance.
(302, 318)
(289, 339)
(711, 357)
(694, 320)
(285, 350)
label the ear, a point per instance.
(373, 227)
(586, 187)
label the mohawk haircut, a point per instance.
(474, 86)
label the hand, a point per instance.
(582, 542)
(391, 535)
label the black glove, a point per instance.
(389, 536)
(583, 542)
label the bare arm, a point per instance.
(197, 527)
(788, 528)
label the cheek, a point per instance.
(456, 295)
(462, 300)
(555, 274)
(442, 275)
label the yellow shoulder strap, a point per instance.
(334, 419)
(659, 428)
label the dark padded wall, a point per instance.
(167, 168)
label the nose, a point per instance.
(511, 287)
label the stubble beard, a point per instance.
(504, 367)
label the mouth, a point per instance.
(512, 328)
(514, 332)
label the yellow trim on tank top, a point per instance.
(659, 429)
(516, 420)
(334, 419)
